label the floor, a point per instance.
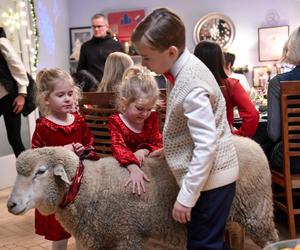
(17, 232)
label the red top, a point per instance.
(125, 142)
(236, 96)
(48, 133)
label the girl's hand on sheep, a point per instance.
(141, 154)
(78, 148)
(159, 153)
(138, 178)
(181, 213)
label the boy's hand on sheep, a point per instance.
(138, 178)
(159, 153)
(181, 213)
(141, 154)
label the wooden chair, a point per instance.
(290, 109)
(96, 109)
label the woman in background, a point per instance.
(13, 91)
(211, 55)
(115, 65)
(291, 55)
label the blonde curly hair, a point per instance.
(47, 80)
(137, 82)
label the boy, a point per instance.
(197, 140)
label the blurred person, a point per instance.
(115, 66)
(290, 55)
(210, 53)
(13, 91)
(94, 52)
(229, 61)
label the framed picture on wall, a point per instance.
(260, 76)
(79, 35)
(122, 23)
(271, 41)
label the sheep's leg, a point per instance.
(236, 235)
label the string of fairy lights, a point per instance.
(14, 20)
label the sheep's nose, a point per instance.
(11, 205)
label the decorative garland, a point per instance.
(35, 32)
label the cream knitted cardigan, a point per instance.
(178, 144)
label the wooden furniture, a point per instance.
(290, 109)
(96, 109)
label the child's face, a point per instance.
(61, 99)
(138, 111)
(156, 61)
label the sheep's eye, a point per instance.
(40, 171)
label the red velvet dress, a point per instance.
(125, 142)
(48, 133)
(236, 96)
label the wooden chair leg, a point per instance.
(290, 213)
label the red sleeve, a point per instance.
(155, 141)
(38, 140)
(246, 109)
(118, 145)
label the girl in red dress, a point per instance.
(135, 130)
(56, 97)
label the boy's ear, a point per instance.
(173, 51)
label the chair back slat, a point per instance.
(290, 107)
(96, 108)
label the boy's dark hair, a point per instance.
(160, 30)
(210, 53)
(85, 81)
(229, 58)
(2, 32)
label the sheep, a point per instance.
(106, 215)
(253, 204)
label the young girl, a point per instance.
(210, 53)
(115, 65)
(197, 139)
(135, 131)
(56, 95)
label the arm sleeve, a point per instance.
(155, 140)
(246, 109)
(203, 132)
(38, 137)
(118, 145)
(274, 110)
(15, 65)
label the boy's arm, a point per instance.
(202, 127)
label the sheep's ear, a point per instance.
(60, 171)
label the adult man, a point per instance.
(94, 52)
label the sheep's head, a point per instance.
(43, 179)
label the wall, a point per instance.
(247, 16)
(53, 24)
